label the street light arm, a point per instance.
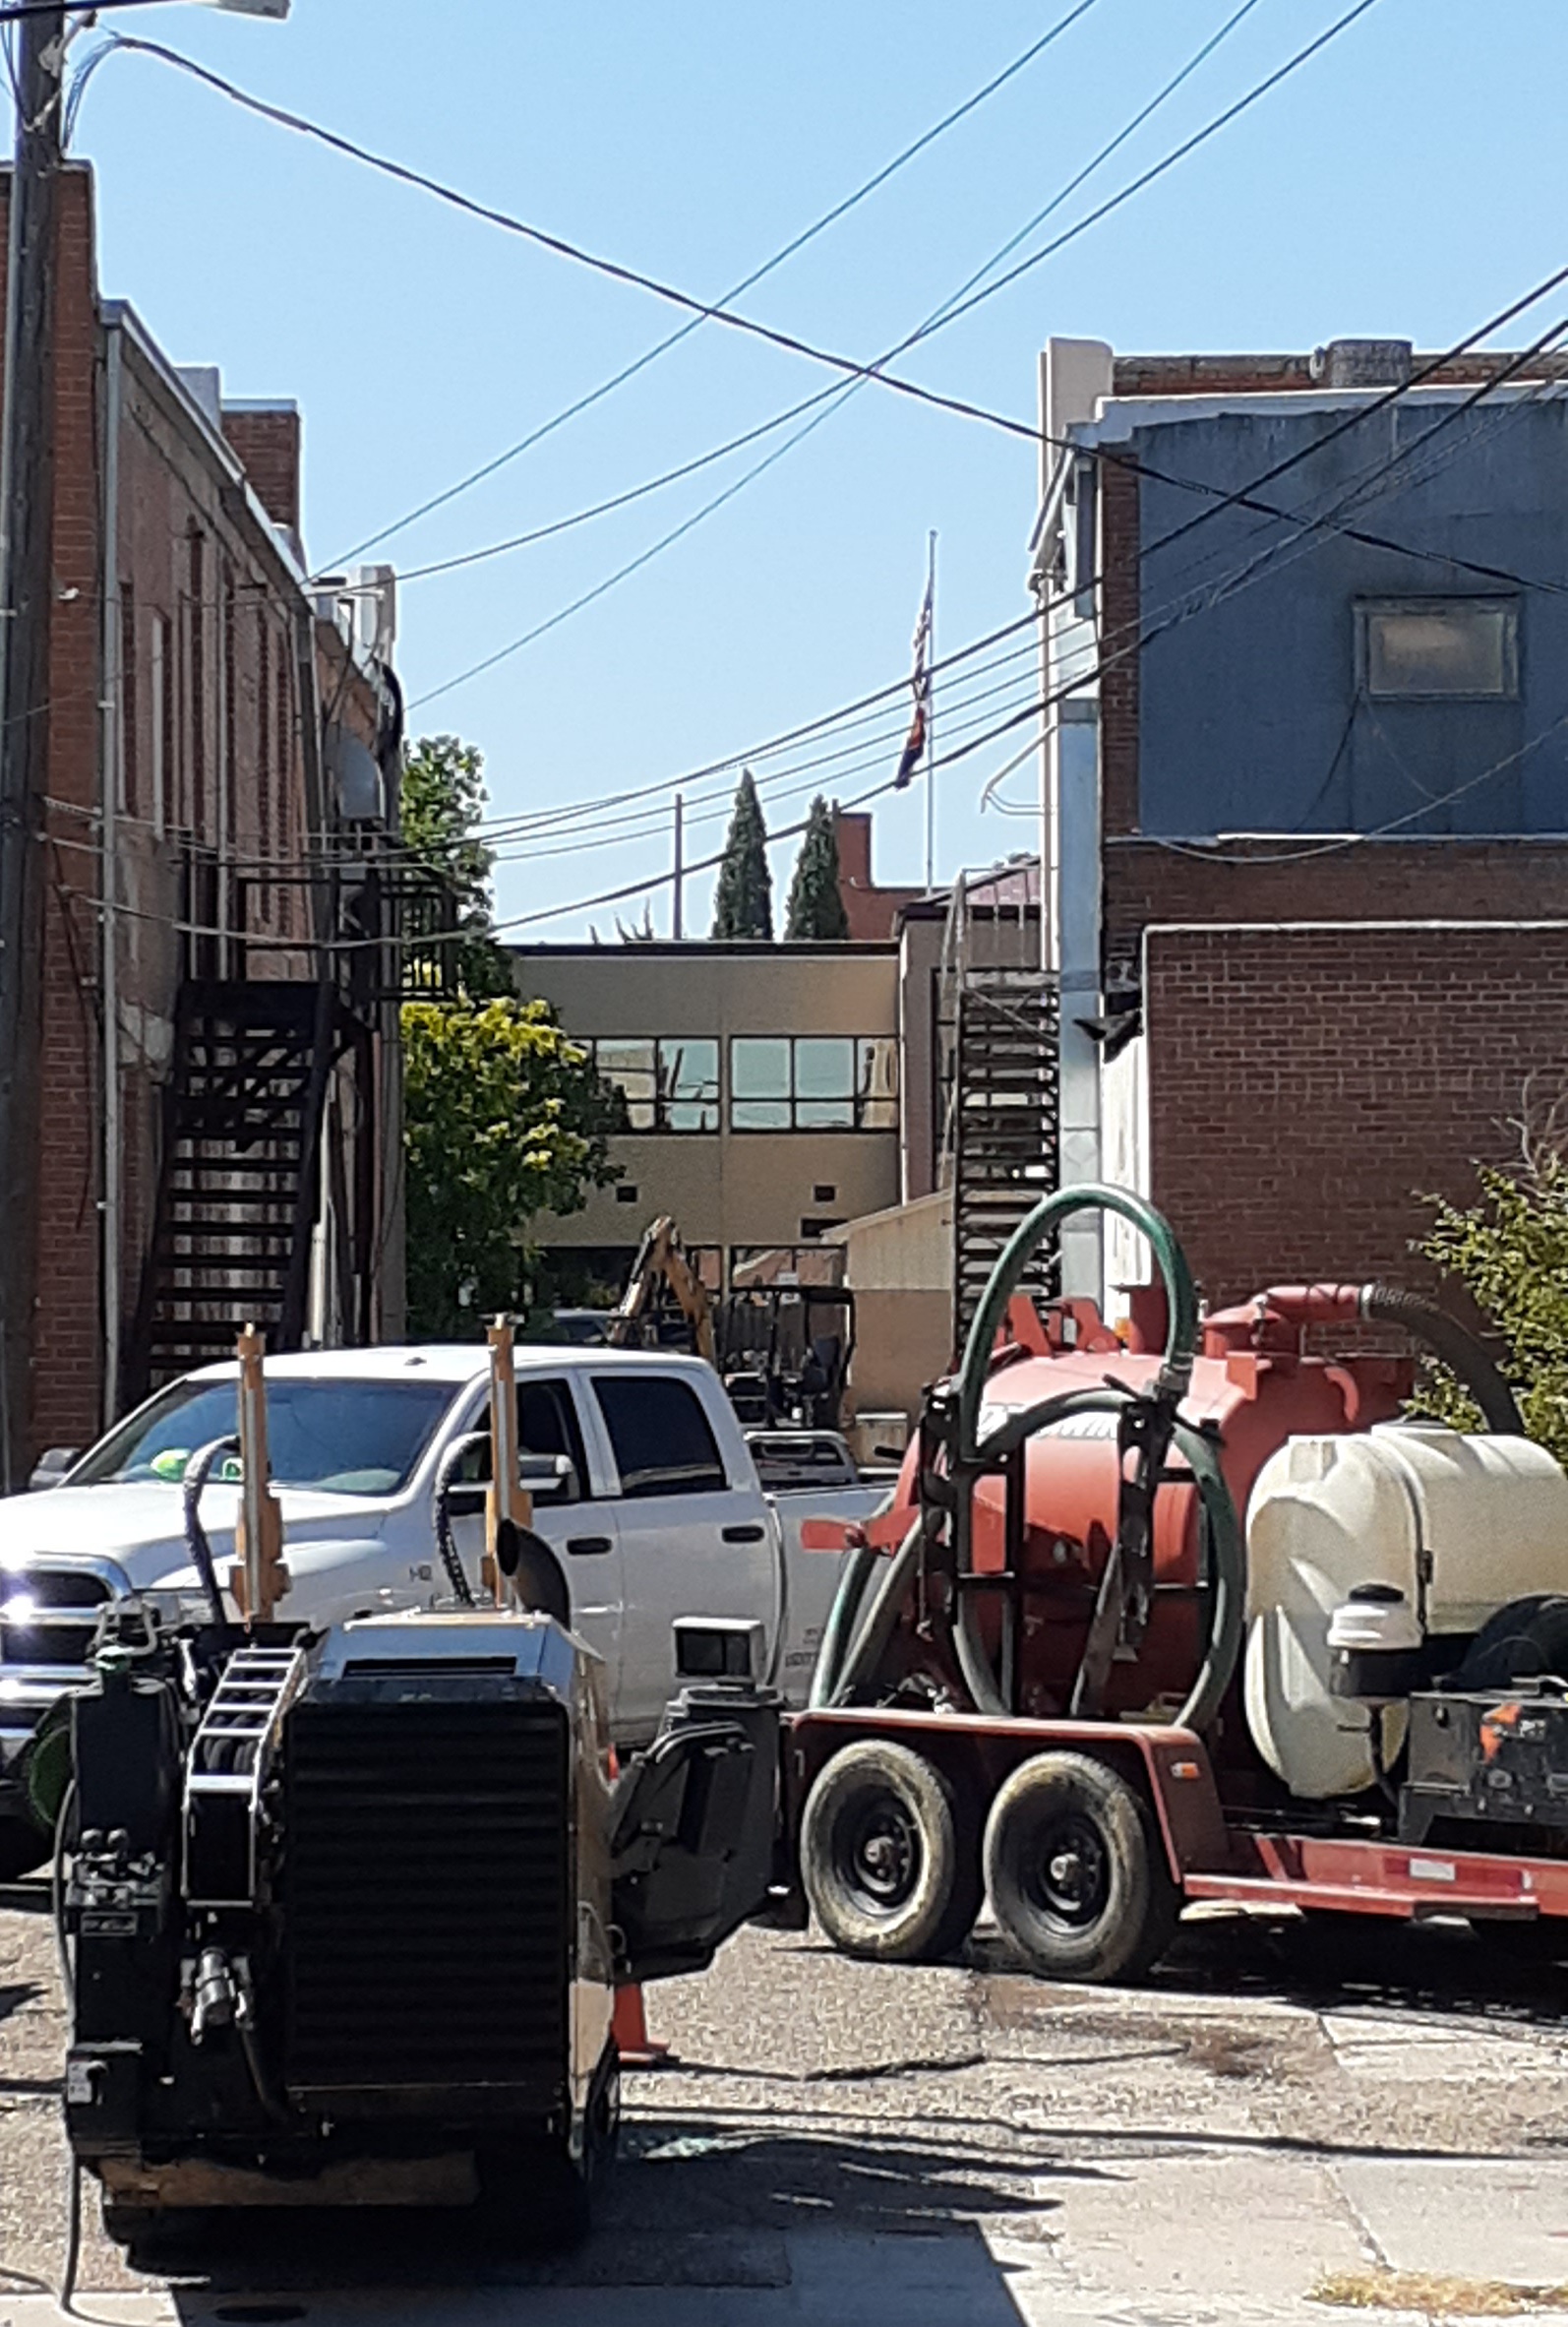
(18, 11)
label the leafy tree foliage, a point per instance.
(504, 1116)
(504, 1119)
(815, 907)
(742, 905)
(442, 802)
(1509, 1250)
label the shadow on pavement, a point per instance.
(687, 2204)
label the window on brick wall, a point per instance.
(228, 795)
(161, 676)
(266, 773)
(1438, 650)
(195, 804)
(129, 722)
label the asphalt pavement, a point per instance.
(1292, 2123)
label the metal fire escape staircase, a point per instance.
(1002, 1113)
(238, 1191)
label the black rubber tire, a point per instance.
(1525, 1638)
(23, 1849)
(889, 1857)
(1077, 1872)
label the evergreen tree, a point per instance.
(816, 905)
(743, 903)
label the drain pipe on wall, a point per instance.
(110, 761)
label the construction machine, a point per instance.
(1189, 1611)
(345, 1912)
(662, 1281)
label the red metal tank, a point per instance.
(1252, 1381)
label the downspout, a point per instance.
(111, 750)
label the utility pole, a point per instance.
(931, 718)
(677, 908)
(26, 591)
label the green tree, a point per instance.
(815, 907)
(505, 1118)
(743, 904)
(442, 800)
(1509, 1250)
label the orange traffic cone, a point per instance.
(637, 2049)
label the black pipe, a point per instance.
(1461, 1351)
(196, 1477)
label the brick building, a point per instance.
(1307, 830)
(210, 725)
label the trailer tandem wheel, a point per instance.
(1077, 1871)
(888, 1856)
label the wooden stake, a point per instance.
(259, 1578)
(507, 1498)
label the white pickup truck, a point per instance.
(642, 1480)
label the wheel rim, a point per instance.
(1069, 1878)
(882, 1854)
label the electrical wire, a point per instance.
(788, 250)
(932, 323)
(706, 309)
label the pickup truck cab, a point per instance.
(644, 1486)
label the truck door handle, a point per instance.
(587, 1546)
(746, 1534)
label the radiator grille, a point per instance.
(427, 1895)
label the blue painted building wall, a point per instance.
(1250, 712)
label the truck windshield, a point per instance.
(341, 1437)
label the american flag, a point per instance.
(920, 682)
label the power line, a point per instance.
(932, 323)
(706, 309)
(788, 250)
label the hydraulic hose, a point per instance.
(445, 1541)
(855, 1575)
(875, 1627)
(1461, 1351)
(1181, 1314)
(197, 1472)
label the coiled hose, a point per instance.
(841, 1667)
(1464, 1354)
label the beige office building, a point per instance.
(760, 1084)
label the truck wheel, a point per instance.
(888, 1857)
(24, 1847)
(1077, 1872)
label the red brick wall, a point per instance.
(871, 911)
(171, 483)
(1121, 613)
(68, 1340)
(1493, 879)
(1271, 375)
(267, 446)
(1307, 1086)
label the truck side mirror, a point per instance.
(50, 1468)
(549, 1478)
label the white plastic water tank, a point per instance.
(1460, 1525)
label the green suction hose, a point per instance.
(851, 1648)
(1181, 1304)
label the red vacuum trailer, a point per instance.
(1190, 1614)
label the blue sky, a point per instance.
(1406, 182)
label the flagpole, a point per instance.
(931, 716)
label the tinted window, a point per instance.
(660, 1434)
(346, 1437)
(547, 1423)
